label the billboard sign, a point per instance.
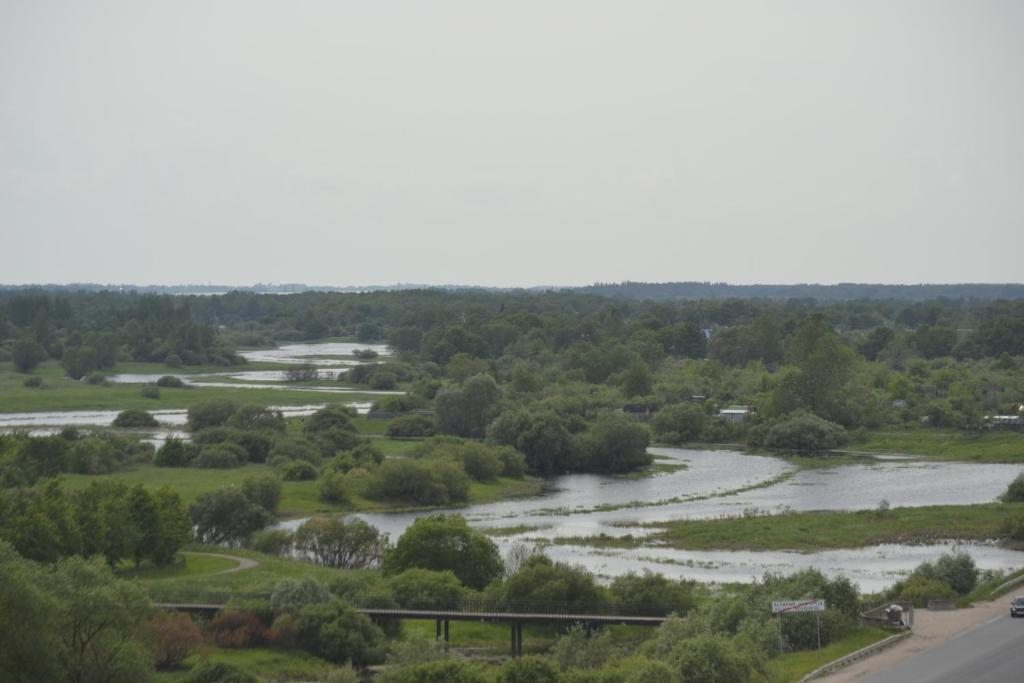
(794, 606)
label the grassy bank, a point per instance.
(61, 393)
(298, 498)
(809, 531)
(947, 444)
(790, 668)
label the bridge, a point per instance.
(548, 613)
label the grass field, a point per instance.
(60, 393)
(268, 664)
(791, 667)
(947, 444)
(809, 531)
(298, 498)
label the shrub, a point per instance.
(96, 378)
(249, 417)
(711, 659)
(332, 417)
(220, 456)
(34, 382)
(339, 634)
(919, 590)
(441, 542)
(264, 490)
(297, 470)
(134, 417)
(171, 382)
(1015, 491)
(343, 543)
(651, 594)
(531, 669)
(427, 589)
(440, 671)
(150, 392)
(803, 431)
(333, 488)
(214, 413)
(173, 637)
(577, 649)
(173, 361)
(291, 596)
(220, 672)
(236, 629)
(414, 650)
(383, 381)
(276, 542)
(433, 483)
(411, 425)
(175, 453)
(679, 423)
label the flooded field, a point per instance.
(327, 354)
(726, 483)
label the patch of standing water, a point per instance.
(727, 484)
(328, 353)
(105, 418)
(872, 569)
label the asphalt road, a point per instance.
(990, 653)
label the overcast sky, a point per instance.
(511, 143)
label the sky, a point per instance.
(522, 143)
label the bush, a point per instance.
(541, 582)
(803, 431)
(411, 425)
(427, 589)
(291, 596)
(175, 453)
(333, 488)
(252, 417)
(1015, 491)
(651, 594)
(615, 444)
(134, 417)
(220, 672)
(220, 456)
(531, 669)
(97, 379)
(339, 634)
(236, 629)
(421, 483)
(33, 382)
(440, 671)
(150, 392)
(263, 490)
(711, 659)
(297, 470)
(919, 590)
(214, 413)
(173, 361)
(173, 637)
(679, 423)
(171, 382)
(277, 542)
(441, 542)
(342, 543)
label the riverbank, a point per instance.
(809, 531)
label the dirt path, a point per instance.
(931, 629)
(243, 562)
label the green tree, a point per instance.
(615, 444)
(212, 413)
(100, 623)
(711, 659)
(541, 583)
(679, 423)
(226, 516)
(27, 629)
(446, 542)
(27, 353)
(342, 543)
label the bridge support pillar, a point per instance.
(437, 634)
(445, 634)
(517, 638)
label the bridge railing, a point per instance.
(461, 605)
